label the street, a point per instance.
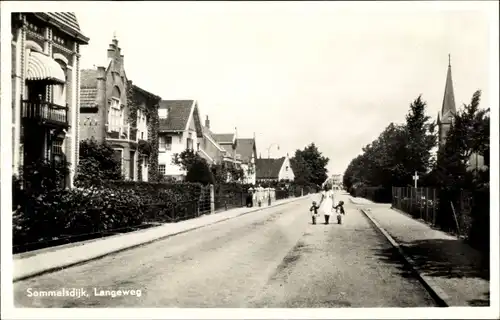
(273, 258)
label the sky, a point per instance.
(335, 74)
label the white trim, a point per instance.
(213, 141)
(59, 56)
(190, 115)
(206, 154)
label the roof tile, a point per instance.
(88, 97)
(268, 168)
(245, 148)
(178, 114)
(88, 78)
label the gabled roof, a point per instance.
(88, 78)
(245, 147)
(88, 88)
(268, 168)
(66, 21)
(146, 93)
(177, 116)
(210, 137)
(224, 138)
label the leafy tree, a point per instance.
(199, 171)
(219, 172)
(300, 169)
(420, 140)
(97, 163)
(237, 174)
(468, 134)
(315, 162)
(185, 159)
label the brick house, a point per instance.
(274, 170)
(107, 114)
(45, 84)
(179, 129)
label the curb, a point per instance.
(113, 251)
(435, 291)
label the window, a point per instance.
(132, 165)
(161, 169)
(198, 146)
(115, 115)
(162, 113)
(189, 143)
(118, 156)
(165, 143)
(142, 135)
(286, 169)
(57, 151)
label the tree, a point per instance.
(199, 171)
(468, 134)
(300, 169)
(219, 172)
(420, 140)
(97, 163)
(313, 159)
(237, 174)
(185, 159)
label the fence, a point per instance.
(448, 210)
(420, 203)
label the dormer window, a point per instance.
(162, 113)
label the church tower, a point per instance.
(448, 109)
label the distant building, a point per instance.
(247, 149)
(445, 119)
(45, 85)
(274, 170)
(180, 129)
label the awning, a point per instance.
(44, 68)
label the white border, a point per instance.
(395, 313)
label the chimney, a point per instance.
(207, 123)
(235, 133)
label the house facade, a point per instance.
(45, 85)
(108, 114)
(179, 129)
(247, 149)
(210, 150)
(274, 170)
(143, 115)
(229, 143)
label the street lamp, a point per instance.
(269, 149)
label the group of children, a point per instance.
(339, 209)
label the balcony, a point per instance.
(122, 132)
(45, 113)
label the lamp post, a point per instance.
(269, 149)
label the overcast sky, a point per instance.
(295, 73)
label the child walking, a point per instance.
(314, 210)
(339, 208)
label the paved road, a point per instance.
(273, 258)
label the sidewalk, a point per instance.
(452, 268)
(47, 260)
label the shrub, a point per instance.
(199, 171)
(97, 163)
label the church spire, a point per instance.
(448, 107)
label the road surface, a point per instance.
(274, 258)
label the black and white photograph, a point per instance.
(253, 159)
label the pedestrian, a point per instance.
(314, 210)
(326, 203)
(339, 208)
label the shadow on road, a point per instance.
(485, 302)
(447, 258)
(392, 257)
